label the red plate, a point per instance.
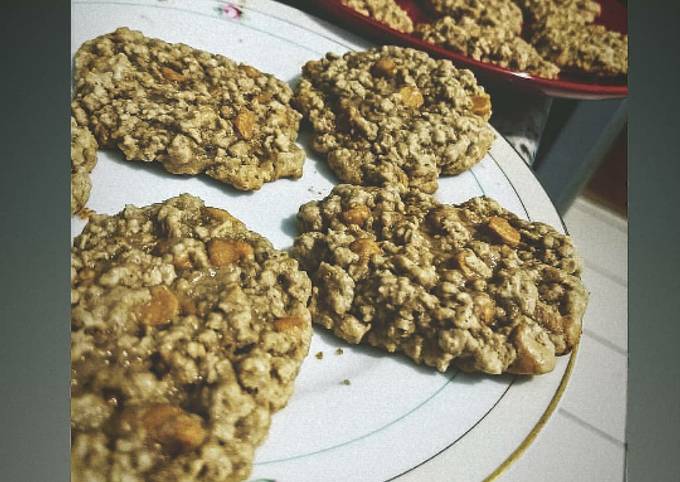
(614, 17)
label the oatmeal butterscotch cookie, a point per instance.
(563, 32)
(470, 284)
(503, 14)
(394, 115)
(83, 160)
(187, 332)
(587, 48)
(192, 111)
(579, 11)
(384, 11)
(487, 44)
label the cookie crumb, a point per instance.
(346, 382)
(339, 351)
(319, 356)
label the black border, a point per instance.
(653, 421)
(34, 235)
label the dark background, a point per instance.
(34, 240)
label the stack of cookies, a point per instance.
(487, 31)
(188, 329)
(539, 37)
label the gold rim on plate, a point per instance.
(519, 451)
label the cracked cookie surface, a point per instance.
(496, 45)
(587, 48)
(187, 333)
(385, 11)
(580, 11)
(394, 115)
(470, 284)
(192, 111)
(494, 13)
(83, 160)
(563, 32)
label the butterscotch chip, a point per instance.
(445, 289)
(245, 123)
(386, 11)
(384, 67)
(288, 323)
(177, 372)
(162, 308)
(221, 215)
(172, 427)
(170, 74)
(464, 266)
(365, 247)
(251, 72)
(356, 215)
(223, 252)
(404, 128)
(412, 97)
(481, 105)
(502, 228)
(192, 111)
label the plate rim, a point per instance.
(542, 421)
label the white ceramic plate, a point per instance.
(395, 420)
